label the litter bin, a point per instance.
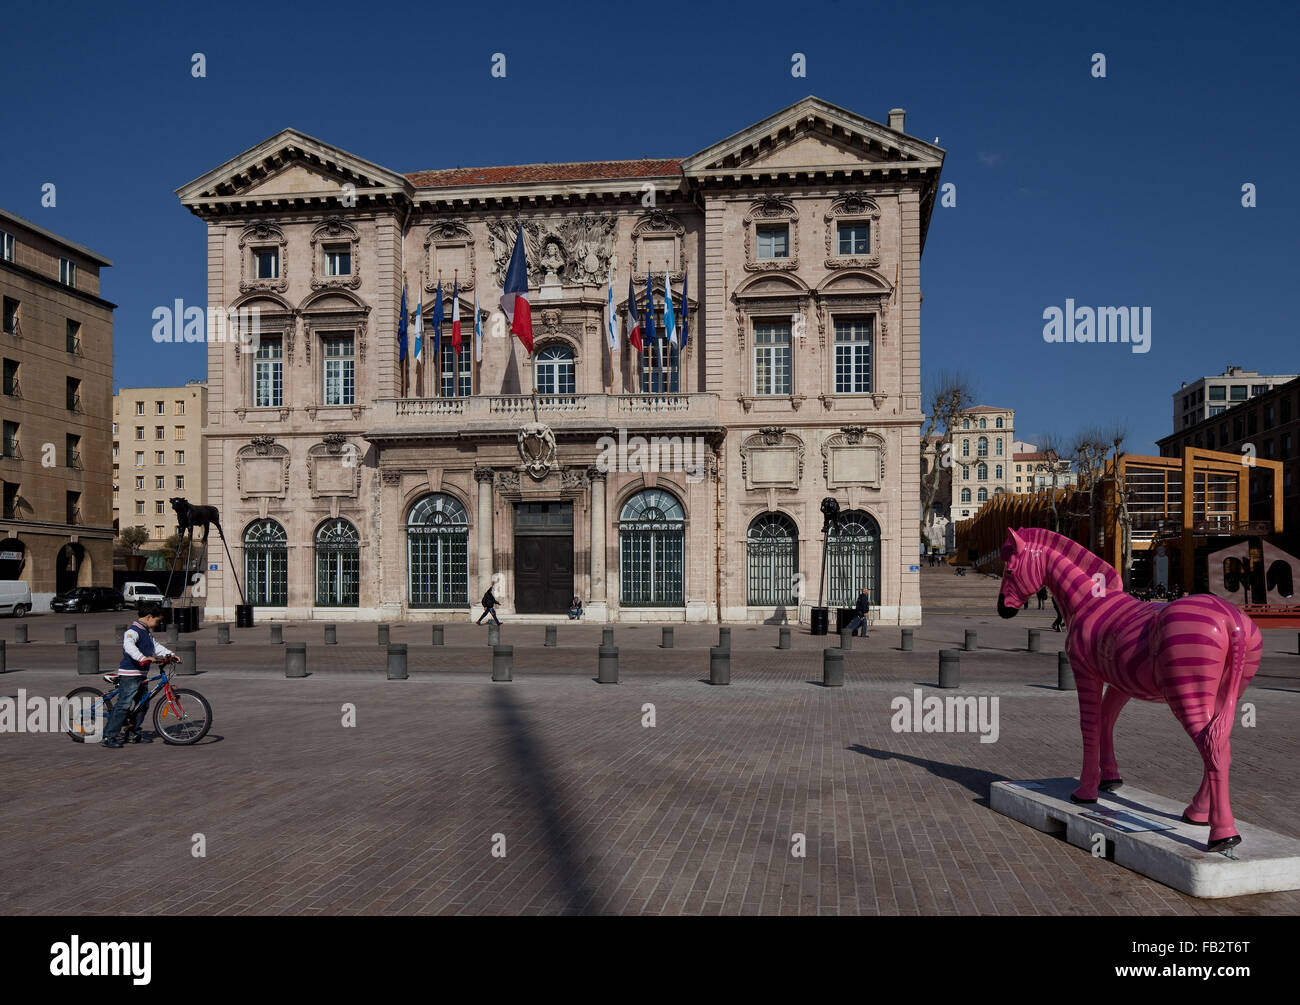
(843, 615)
(243, 615)
(820, 619)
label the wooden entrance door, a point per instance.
(543, 573)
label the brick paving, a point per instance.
(598, 813)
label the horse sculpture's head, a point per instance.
(1023, 576)
(179, 503)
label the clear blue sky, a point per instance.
(1117, 191)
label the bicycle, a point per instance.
(181, 718)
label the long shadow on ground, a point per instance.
(974, 779)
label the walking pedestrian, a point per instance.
(861, 612)
(489, 607)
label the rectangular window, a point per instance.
(340, 370)
(853, 341)
(1238, 392)
(9, 321)
(74, 507)
(772, 357)
(159, 432)
(451, 385)
(1218, 392)
(773, 240)
(180, 481)
(180, 408)
(267, 261)
(11, 439)
(159, 531)
(139, 483)
(139, 432)
(180, 457)
(11, 377)
(139, 458)
(854, 238)
(158, 508)
(1284, 410)
(10, 500)
(178, 432)
(7, 246)
(160, 483)
(72, 450)
(1257, 389)
(338, 261)
(72, 387)
(68, 275)
(73, 344)
(158, 408)
(139, 507)
(268, 374)
(139, 408)
(1217, 409)
(160, 457)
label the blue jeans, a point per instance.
(859, 621)
(575, 613)
(128, 689)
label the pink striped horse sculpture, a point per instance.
(1196, 654)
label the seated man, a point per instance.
(575, 609)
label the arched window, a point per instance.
(998, 423)
(965, 495)
(997, 471)
(998, 445)
(965, 423)
(982, 473)
(773, 557)
(266, 564)
(853, 558)
(983, 423)
(437, 542)
(338, 564)
(965, 472)
(965, 447)
(982, 495)
(982, 447)
(651, 548)
(553, 370)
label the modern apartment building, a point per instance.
(56, 340)
(1210, 396)
(157, 455)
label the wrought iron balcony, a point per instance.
(409, 418)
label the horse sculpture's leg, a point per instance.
(1111, 703)
(1090, 726)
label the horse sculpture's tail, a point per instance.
(1244, 640)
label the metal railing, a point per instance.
(514, 408)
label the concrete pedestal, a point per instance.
(1265, 862)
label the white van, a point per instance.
(15, 597)
(137, 594)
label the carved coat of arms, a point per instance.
(537, 449)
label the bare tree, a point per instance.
(1050, 444)
(1090, 447)
(1117, 435)
(950, 395)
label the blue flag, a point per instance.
(670, 322)
(437, 324)
(649, 312)
(685, 312)
(401, 328)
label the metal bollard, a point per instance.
(70, 634)
(719, 665)
(503, 662)
(783, 637)
(833, 667)
(1035, 640)
(909, 640)
(607, 635)
(3, 666)
(295, 658)
(173, 633)
(949, 667)
(383, 634)
(550, 636)
(20, 633)
(88, 656)
(724, 638)
(1064, 672)
(494, 634)
(331, 635)
(397, 661)
(607, 665)
(438, 634)
(187, 650)
(277, 634)
(223, 634)
(972, 640)
(667, 641)
(846, 639)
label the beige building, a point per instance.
(157, 455)
(57, 334)
(663, 485)
(1034, 472)
(981, 454)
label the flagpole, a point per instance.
(402, 364)
(455, 353)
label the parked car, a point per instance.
(15, 597)
(89, 598)
(139, 594)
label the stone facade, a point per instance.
(799, 241)
(147, 422)
(56, 526)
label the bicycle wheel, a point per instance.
(183, 721)
(88, 713)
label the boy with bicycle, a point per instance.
(139, 649)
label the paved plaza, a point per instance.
(594, 811)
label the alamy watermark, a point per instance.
(177, 323)
(1131, 325)
(634, 454)
(950, 714)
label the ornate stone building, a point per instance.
(657, 486)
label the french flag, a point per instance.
(514, 296)
(633, 322)
(455, 315)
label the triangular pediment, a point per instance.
(810, 136)
(292, 167)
